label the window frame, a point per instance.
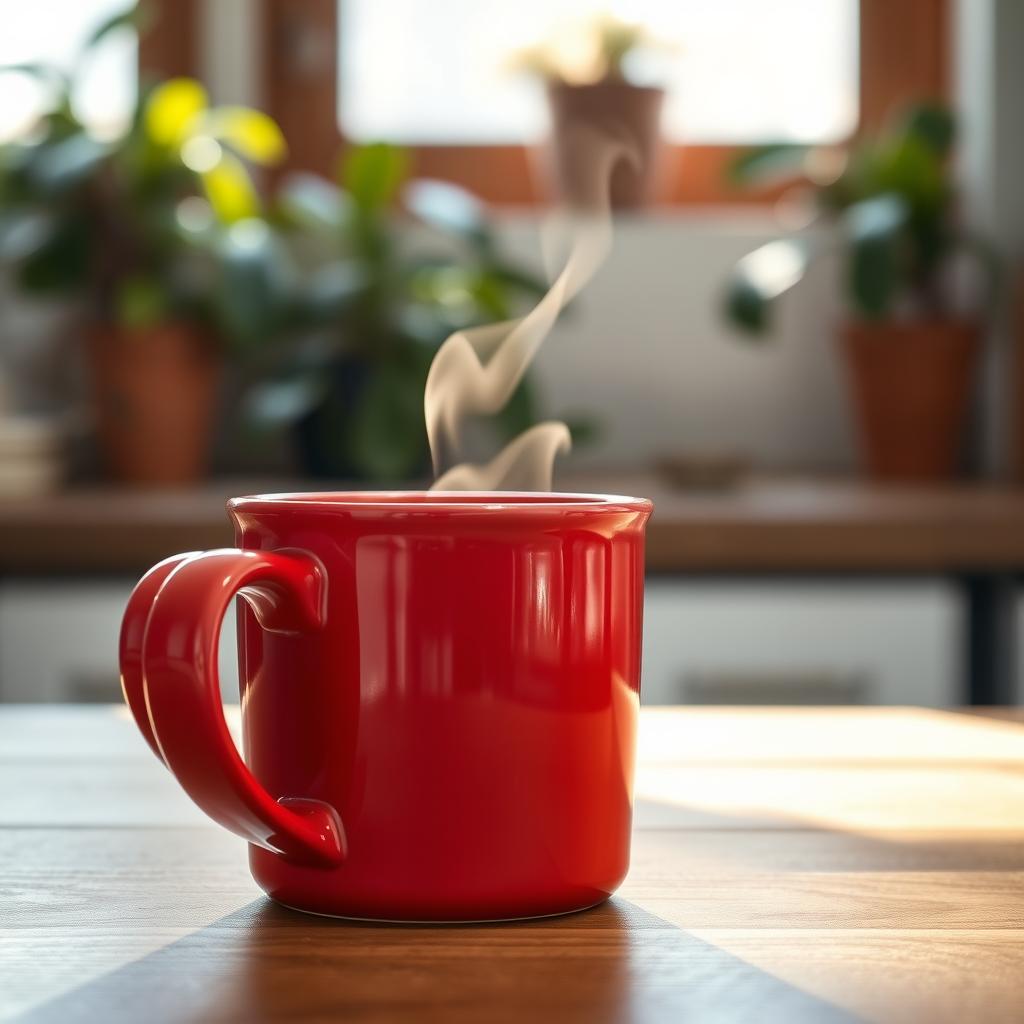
(904, 55)
(169, 44)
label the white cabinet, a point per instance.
(58, 641)
(883, 642)
(817, 642)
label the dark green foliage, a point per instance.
(763, 164)
(373, 174)
(331, 305)
(746, 305)
(372, 301)
(130, 226)
(894, 206)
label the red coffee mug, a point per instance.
(439, 697)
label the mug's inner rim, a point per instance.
(436, 499)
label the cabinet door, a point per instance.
(838, 642)
(58, 641)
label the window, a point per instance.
(431, 75)
(736, 71)
(54, 33)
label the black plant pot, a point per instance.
(321, 436)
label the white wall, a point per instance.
(646, 351)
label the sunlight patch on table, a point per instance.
(861, 799)
(686, 734)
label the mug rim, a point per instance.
(526, 502)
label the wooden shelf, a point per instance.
(765, 525)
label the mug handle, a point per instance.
(168, 652)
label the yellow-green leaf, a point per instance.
(373, 174)
(250, 132)
(140, 302)
(230, 190)
(172, 108)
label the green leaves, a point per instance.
(762, 165)
(135, 16)
(875, 230)
(760, 278)
(160, 223)
(516, 278)
(386, 438)
(67, 164)
(448, 208)
(330, 292)
(140, 302)
(282, 402)
(373, 174)
(907, 167)
(23, 232)
(180, 125)
(171, 110)
(933, 125)
(47, 74)
(746, 306)
(254, 286)
(308, 201)
(893, 201)
(251, 133)
(230, 191)
(60, 262)
(519, 413)
(166, 222)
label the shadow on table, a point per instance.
(616, 962)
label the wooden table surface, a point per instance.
(788, 865)
(763, 525)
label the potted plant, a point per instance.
(373, 295)
(587, 72)
(144, 233)
(911, 341)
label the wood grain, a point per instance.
(121, 903)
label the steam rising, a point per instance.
(476, 370)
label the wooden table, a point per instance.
(788, 865)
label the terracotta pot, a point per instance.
(155, 392)
(615, 109)
(911, 385)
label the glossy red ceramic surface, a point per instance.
(439, 697)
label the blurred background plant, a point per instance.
(595, 85)
(912, 337)
(894, 204)
(331, 303)
(364, 297)
(138, 227)
(142, 232)
(597, 49)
